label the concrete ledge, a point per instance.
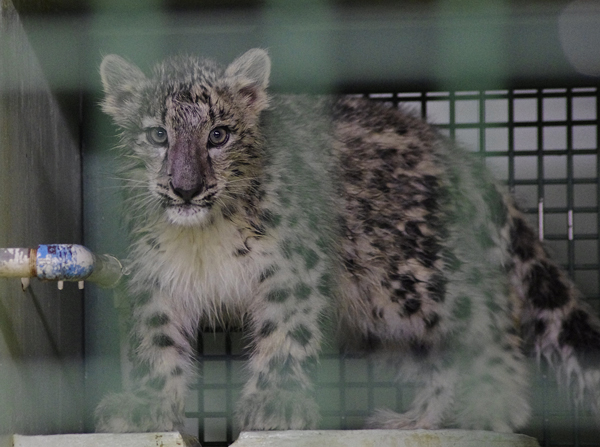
(101, 440)
(383, 438)
(294, 438)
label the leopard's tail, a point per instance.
(556, 325)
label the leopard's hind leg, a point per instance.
(474, 378)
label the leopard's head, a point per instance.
(191, 131)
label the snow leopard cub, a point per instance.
(283, 212)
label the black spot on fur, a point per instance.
(255, 184)
(412, 305)
(267, 273)
(436, 286)
(522, 239)
(539, 327)
(158, 320)
(278, 295)
(398, 295)
(451, 261)
(429, 252)
(353, 175)
(428, 184)
(258, 229)
(227, 211)
(379, 182)
(177, 371)
(387, 153)
(302, 335)
(311, 258)
(431, 321)
(475, 276)
(583, 334)
(484, 238)
(412, 229)
(284, 200)
(351, 265)
(546, 290)
(462, 308)
(242, 251)
(302, 291)
(270, 219)
(153, 242)
(419, 348)
(286, 248)
(267, 329)
(324, 286)
(282, 366)
(157, 383)
(377, 313)
(408, 283)
(371, 342)
(163, 341)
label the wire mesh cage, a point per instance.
(543, 143)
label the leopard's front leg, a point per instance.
(162, 370)
(286, 342)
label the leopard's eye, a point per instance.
(157, 136)
(218, 136)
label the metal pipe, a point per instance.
(60, 262)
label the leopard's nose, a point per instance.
(187, 194)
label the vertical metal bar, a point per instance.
(343, 410)
(597, 96)
(511, 141)
(570, 233)
(570, 187)
(228, 389)
(370, 386)
(540, 144)
(481, 125)
(201, 418)
(546, 429)
(570, 230)
(541, 218)
(452, 113)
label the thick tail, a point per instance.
(556, 325)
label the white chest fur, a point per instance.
(198, 269)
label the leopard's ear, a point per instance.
(121, 81)
(254, 65)
(249, 75)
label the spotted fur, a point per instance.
(284, 213)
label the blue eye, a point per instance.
(157, 136)
(218, 136)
